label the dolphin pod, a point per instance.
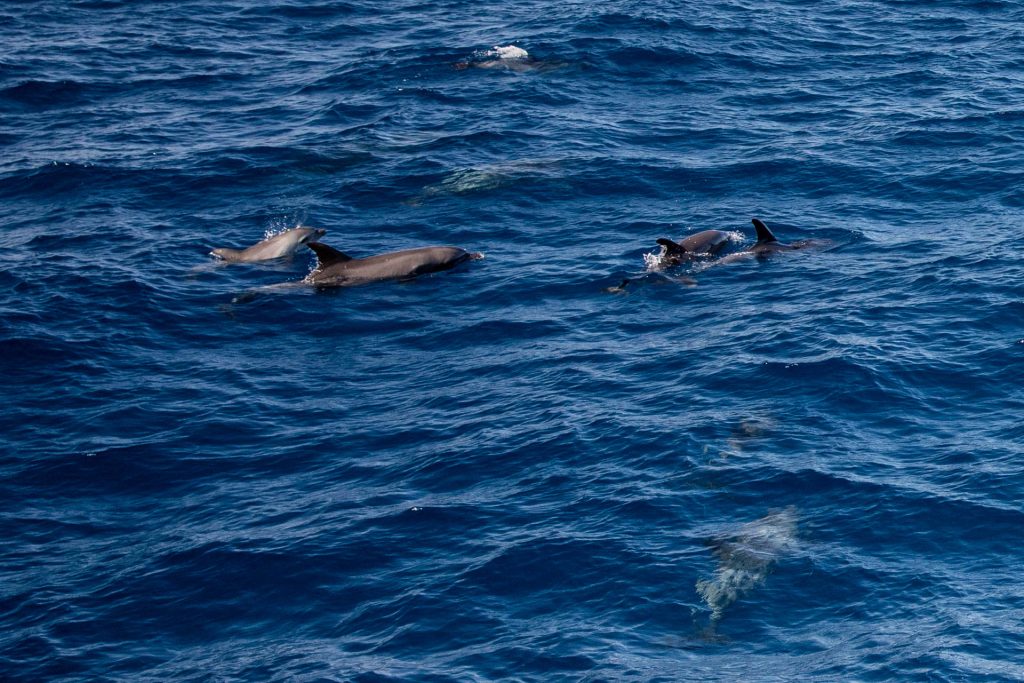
(337, 269)
(709, 243)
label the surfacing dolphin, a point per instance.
(506, 57)
(337, 269)
(703, 243)
(282, 244)
(768, 244)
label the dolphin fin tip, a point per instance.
(670, 246)
(326, 255)
(763, 233)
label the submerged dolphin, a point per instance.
(704, 243)
(336, 269)
(281, 244)
(746, 559)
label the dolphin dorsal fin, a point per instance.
(327, 256)
(670, 246)
(763, 233)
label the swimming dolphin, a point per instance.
(746, 559)
(336, 269)
(704, 243)
(281, 244)
(508, 57)
(768, 244)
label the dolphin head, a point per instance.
(310, 234)
(225, 254)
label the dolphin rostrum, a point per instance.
(282, 244)
(337, 269)
(704, 243)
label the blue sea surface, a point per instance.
(802, 467)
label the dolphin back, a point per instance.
(338, 269)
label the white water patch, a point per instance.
(653, 262)
(284, 223)
(504, 52)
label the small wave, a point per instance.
(46, 93)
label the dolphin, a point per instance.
(704, 243)
(746, 559)
(337, 269)
(282, 244)
(509, 57)
(768, 244)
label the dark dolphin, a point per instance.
(704, 243)
(337, 269)
(768, 244)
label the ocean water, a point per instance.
(802, 467)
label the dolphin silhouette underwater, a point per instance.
(746, 558)
(282, 244)
(337, 269)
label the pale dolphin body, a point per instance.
(282, 244)
(336, 269)
(703, 243)
(745, 560)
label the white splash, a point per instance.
(284, 223)
(507, 52)
(653, 262)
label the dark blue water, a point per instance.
(805, 467)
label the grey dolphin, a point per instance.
(704, 243)
(282, 244)
(337, 269)
(768, 244)
(746, 559)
